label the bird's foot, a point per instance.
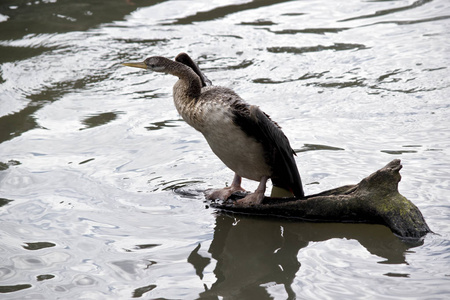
(255, 198)
(223, 194)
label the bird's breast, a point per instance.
(240, 152)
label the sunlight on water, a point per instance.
(101, 181)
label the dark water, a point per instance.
(93, 155)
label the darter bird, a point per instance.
(241, 135)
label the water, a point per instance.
(94, 156)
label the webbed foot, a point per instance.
(255, 198)
(225, 193)
(222, 194)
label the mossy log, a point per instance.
(373, 200)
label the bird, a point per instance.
(241, 135)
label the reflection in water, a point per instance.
(301, 50)
(369, 77)
(11, 162)
(398, 152)
(100, 119)
(223, 11)
(389, 11)
(146, 246)
(86, 161)
(17, 123)
(38, 245)
(176, 185)
(199, 262)
(308, 30)
(4, 201)
(141, 291)
(44, 277)
(34, 17)
(163, 124)
(13, 288)
(315, 147)
(11, 54)
(252, 252)
(303, 77)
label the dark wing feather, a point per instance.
(279, 154)
(187, 60)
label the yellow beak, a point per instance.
(136, 65)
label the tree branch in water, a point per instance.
(375, 199)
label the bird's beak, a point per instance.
(136, 65)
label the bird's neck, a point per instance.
(189, 84)
(186, 93)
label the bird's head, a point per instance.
(154, 63)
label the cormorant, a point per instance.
(240, 134)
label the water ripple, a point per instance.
(116, 210)
(301, 50)
(223, 11)
(383, 12)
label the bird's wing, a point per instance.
(279, 154)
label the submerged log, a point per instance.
(373, 200)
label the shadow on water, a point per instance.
(252, 252)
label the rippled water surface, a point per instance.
(100, 178)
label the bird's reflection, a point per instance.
(253, 252)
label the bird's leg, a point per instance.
(225, 193)
(256, 197)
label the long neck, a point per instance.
(186, 92)
(189, 84)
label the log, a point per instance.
(374, 200)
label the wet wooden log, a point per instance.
(373, 200)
